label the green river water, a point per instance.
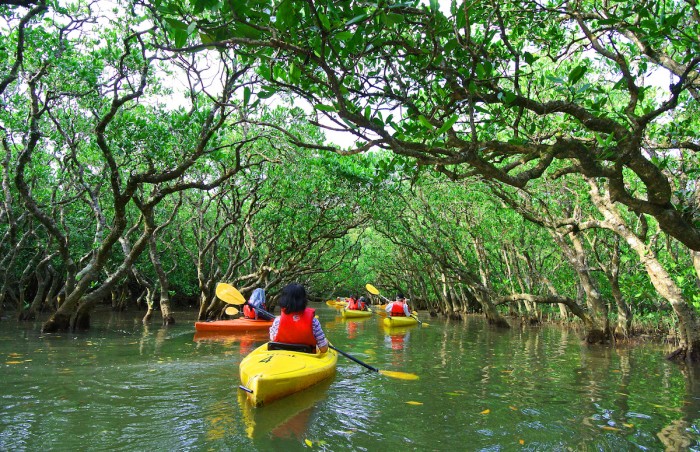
(123, 386)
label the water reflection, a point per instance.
(246, 342)
(285, 418)
(396, 338)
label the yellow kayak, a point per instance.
(268, 375)
(355, 314)
(399, 321)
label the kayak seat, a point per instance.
(303, 348)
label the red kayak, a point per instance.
(233, 326)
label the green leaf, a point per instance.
(344, 35)
(425, 122)
(576, 74)
(449, 123)
(246, 95)
(328, 108)
(180, 37)
(325, 23)
(356, 19)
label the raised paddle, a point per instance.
(374, 291)
(388, 373)
(230, 310)
(229, 294)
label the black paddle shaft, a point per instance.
(354, 359)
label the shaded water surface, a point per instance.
(123, 386)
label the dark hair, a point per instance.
(399, 296)
(293, 298)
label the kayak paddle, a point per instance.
(230, 310)
(229, 294)
(374, 291)
(388, 373)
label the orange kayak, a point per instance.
(233, 326)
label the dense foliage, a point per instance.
(515, 158)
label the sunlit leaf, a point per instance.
(308, 442)
(425, 122)
(13, 362)
(486, 411)
(512, 408)
(521, 441)
(612, 429)
(628, 425)
(412, 402)
(451, 393)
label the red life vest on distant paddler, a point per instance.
(397, 309)
(353, 305)
(296, 328)
(248, 312)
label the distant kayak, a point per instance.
(355, 314)
(399, 321)
(235, 325)
(268, 375)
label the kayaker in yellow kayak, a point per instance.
(398, 308)
(297, 324)
(362, 302)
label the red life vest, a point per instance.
(363, 306)
(397, 309)
(248, 312)
(296, 328)
(352, 305)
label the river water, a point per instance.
(123, 386)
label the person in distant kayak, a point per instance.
(255, 307)
(398, 308)
(362, 302)
(297, 324)
(353, 304)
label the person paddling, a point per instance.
(398, 308)
(362, 302)
(297, 324)
(353, 304)
(254, 308)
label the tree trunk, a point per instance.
(689, 321)
(598, 330)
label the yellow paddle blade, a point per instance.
(229, 294)
(371, 289)
(399, 375)
(230, 310)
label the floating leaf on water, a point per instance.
(13, 362)
(512, 408)
(616, 371)
(486, 411)
(308, 442)
(452, 394)
(15, 355)
(412, 402)
(628, 425)
(612, 429)
(27, 360)
(521, 441)
(506, 371)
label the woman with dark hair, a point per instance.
(297, 324)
